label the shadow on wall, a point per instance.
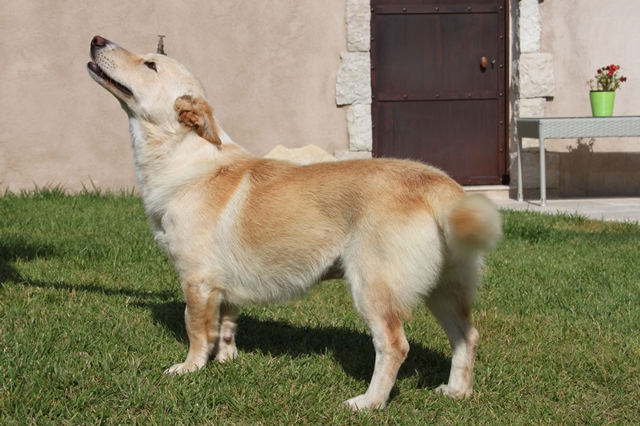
(584, 173)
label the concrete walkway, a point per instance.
(620, 209)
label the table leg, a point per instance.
(543, 174)
(520, 196)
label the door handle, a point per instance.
(484, 62)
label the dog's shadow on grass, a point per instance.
(352, 349)
(17, 248)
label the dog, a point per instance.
(242, 230)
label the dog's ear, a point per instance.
(195, 112)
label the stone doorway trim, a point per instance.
(353, 85)
(531, 82)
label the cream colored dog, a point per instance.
(245, 230)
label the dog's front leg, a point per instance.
(202, 318)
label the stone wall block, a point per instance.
(359, 126)
(352, 155)
(531, 108)
(358, 25)
(529, 26)
(536, 75)
(353, 84)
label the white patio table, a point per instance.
(569, 127)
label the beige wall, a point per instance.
(584, 35)
(269, 68)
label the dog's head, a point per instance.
(153, 88)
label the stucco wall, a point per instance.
(583, 36)
(269, 68)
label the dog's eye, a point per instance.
(151, 65)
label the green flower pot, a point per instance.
(602, 103)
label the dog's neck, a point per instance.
(166, 159)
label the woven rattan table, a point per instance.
(570, 127)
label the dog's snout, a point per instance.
(99, 42)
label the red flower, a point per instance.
(607, 78)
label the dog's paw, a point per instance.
(227, 353)
(453, 393)
(181, 368)
(362, 402)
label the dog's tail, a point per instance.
(473, 225)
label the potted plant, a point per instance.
(603, 90)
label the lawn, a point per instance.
(91, 313)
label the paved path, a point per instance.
(620, 209)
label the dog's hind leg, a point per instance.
(227, 342)
(452, 308)
(381, 316)
(202, 318)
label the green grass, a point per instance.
(91, 313)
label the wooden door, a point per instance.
(439, 85)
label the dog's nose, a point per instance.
(98, 42)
